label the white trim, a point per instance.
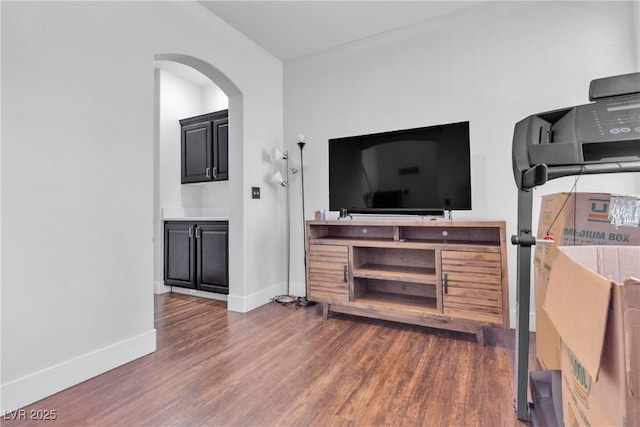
(38, 385)
(250, 302)
(197, 293)
(160, 288)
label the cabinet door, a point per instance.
(212, 257)
(472, 286)
(197, 155)
(179, 255)
(205, 147)
(221, 149)
(328, 273)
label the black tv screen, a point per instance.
(414, 171)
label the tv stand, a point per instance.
(441, 274)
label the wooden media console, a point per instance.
(442, 274)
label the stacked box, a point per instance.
(572, 219)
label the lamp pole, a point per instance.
(303, 301)
(287, 299)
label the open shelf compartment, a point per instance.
(395, 294)
(489, 236)
(406, 274)
(409, 265)
(355, 232)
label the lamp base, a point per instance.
(304, 302)
(285, 299)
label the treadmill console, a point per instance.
(604, 131)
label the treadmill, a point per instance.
(600, 137)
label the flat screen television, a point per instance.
(422, 171)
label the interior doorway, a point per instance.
(186, 87)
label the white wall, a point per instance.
(178, 99)
(78, 156)
(635, 18)
(493, 65)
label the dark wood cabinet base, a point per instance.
(196, 255)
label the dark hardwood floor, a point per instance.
(282, 366)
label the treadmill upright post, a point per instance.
(524, 240)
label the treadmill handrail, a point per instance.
(540, 174)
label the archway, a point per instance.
(235, 204)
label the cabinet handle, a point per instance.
(446, 283)
(197, 232)
(346, 279)
(191, 232)
(215, 171)
(208, 172)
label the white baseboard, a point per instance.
(160, 288)
(197, 293)
(234, 302)
(297, 288)
(249, 302)
(38, 385)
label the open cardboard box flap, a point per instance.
(579, 312)
(579, 291)
(593, 300)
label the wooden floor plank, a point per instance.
(282, 366)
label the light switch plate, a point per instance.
(255, 192)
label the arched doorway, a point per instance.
(233, 209)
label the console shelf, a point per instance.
(406, 274)
(400, 302)
(444, 274)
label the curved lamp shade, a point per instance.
(277, 155)
(278, 179)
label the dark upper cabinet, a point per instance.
(196, 256)
(221, 149)
(205, 147)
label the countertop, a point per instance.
(195, 214)
(197, 218)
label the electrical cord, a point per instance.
(575, 203)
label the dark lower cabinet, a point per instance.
(179, 254)
(212, 264)
(196, 255)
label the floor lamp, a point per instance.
(303, 301)
(284, 182)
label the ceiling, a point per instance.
(295, 28)
(290, 29)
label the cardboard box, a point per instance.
(593, 299)
(547, 337)
(572, 219)
(578, 219)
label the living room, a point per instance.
(79, 146)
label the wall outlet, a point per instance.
(255, 192)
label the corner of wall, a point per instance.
(247, 303)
